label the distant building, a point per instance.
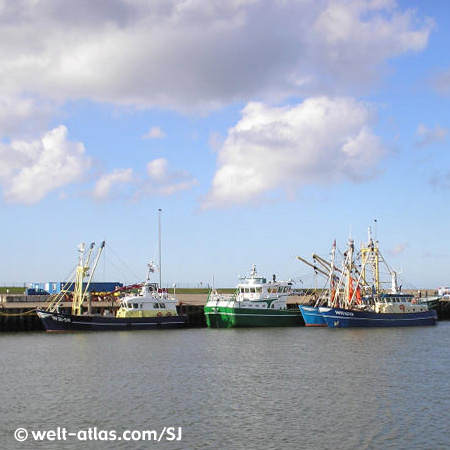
(55, 287)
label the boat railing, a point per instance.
(214, 295)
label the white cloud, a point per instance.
(354, 38)
(398, 249)
(23, 116)
(29, 170)
(154, 133)
(112, 182)
(165, 182)
(427, 136)
(319, 141)
(157, 169)
(214, 52)
(159, 180)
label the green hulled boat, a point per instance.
(256, 303)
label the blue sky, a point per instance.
(262, 129)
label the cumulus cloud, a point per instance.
(158, 180)
(321, 141)
(29, 170)
(24, 116)
(200, 53)
(112, 182)
(165, 182)
(355, 38)
(154, 133)
(427, 136)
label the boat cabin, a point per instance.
(398, 303)
(150, 302)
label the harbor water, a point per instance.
(268, 388)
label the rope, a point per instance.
(18, 314)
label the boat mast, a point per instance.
(373, 247)
(159, 246)
(371, 254)
(82, 270)
(331, 275)
(348, 289)
(83, 267)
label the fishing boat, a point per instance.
(362, 303)
(388, 310)
(255, 303)
(151, 308)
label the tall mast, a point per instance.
(331, 275)
(370, 254)
(348, 288)
(159, 246)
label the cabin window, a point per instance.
(142, 306)
(259, 290)
(162, 305)
(135, 305)
(156, 305)
(252, 290)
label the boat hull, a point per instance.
(312, 316)
(61, 322)
(344, 318)
(228, 317)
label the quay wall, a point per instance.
(19, 315)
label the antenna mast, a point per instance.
(159, 246)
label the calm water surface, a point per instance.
(292, 388)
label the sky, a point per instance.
(262, 129)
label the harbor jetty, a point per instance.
(17, 311)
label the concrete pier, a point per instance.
(16, 312)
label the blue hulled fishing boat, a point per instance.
(360, 301)
(390, 310)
